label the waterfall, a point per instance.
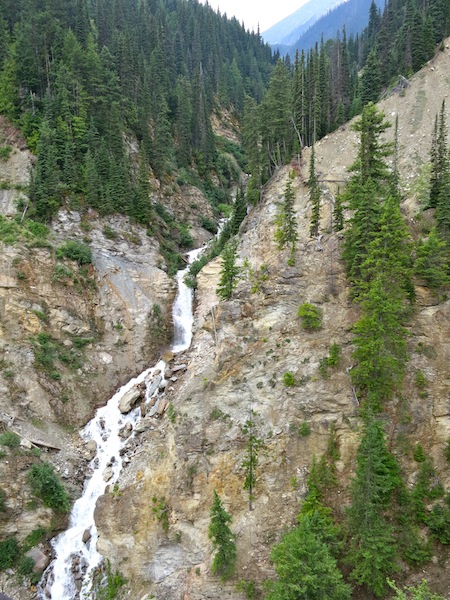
(75, 549)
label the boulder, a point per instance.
(41, 560)
(128, 400)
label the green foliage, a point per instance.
(223, 540)
(304, 429)
(251, 458)
(332, 360)
(5, 152)
(419, 453)
(305, 559)
(438, 520)
(289, 379)
(77, 251)
(10, 439)
(311, 317)
(2, 501)
(26, 565)
(432, 261)
(171, 414)
(9, 553)
(229, 271)
(161, 511)
(111, 586)
(256, 277)
(30, 232)
(286, 222)
(209, 225)
(305, 567)
(314, 197)
(248, 587)
(48, 351)
(419, 592)
(46, 485)
(33, 538)
(373, 551)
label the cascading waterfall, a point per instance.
(70, 574)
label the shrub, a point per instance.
(5, 151)
(47, 486)
(311, 317)
(77, 251)
(9, 553)
(304, 429)
(289, 379)
(10, 439)
(209, 225)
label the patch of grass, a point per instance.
(10, 439)
(46, 485)
(9, 553)
(33, 538)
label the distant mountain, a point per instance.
(354, 14)
(288, 31)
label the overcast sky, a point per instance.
(252, 12)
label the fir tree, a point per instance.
(223, 540)
(229, 271)
(338, 213)
(432, 260)
(286, 232)
(314, 197)
(372, 547)
(439, 157)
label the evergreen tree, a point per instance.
(229, 272)
(286, 232)
(314, 197)
(305, 567)
(372, 545)
(432, 261)
(250, 461)
(371, 79)
(439, 157)
(223, 539)
(338, 213)
(305, 559)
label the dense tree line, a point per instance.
(317, 91)
(83, 79)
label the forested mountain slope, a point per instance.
(130, 114)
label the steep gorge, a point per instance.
(240, 351)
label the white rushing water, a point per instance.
(76, 560)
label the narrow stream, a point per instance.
(69, 576)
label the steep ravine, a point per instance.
(241, 349)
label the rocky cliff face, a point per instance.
(240, 351)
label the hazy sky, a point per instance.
(252, 12)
